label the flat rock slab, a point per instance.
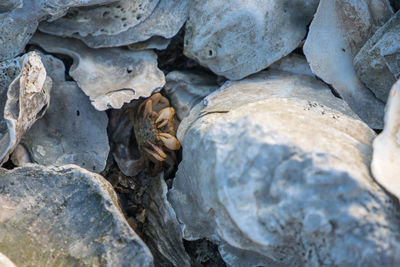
(275, 170)
(72, 131)
(65, 216)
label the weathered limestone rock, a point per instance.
(275, 171)
(71, 131)
(385, 164)
(24, 98)
(65, 216)
(185, 89)
(110, 77)
(20, 18)
(293, 63)
(238, 38)
(338, 31)
(378, 62)
(165, 20)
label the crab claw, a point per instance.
(156, 153)
(164, 116)
(170, 141)
(159, 98)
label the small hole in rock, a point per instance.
(123, 19)
(78, 113)
(138, 17)
(105, 14)
(210, 53)
(129, 70)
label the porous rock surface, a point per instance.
(24, 98)
(65, 216)
(19, 20)
(72, 131)
(275, 171)
(238, 38)
(378, 62)
(338, 31)
(166, 19)
(385, 164)
(110, 77)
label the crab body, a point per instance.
(155, 130)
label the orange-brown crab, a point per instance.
(155, 131)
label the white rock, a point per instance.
(385, 164)
(238, 38)
(71, 131)
(5, 262)
(65, 216)
(165, 21)
(339, 29)
(25, 95)
(110, 77)
(378, 62)
(185, 89)
(275, 171)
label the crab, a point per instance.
(155, 131)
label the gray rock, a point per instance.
(24, 98)
(238, 38)
(163, 232)
(165, 21)
(71, 131)
(385, 164)
(19, 20)
(378, 62)
(293, 63)
(65, 216)
(110, 77)
(185, 89)
(20, 156)
(275, 171)
(338, 31)
(5, 262)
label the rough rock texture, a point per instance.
(24, 94)
(20, 156)
(385, 164)
(339, 29)
(165, 21)
(185, 89)
(163, 232)
(110, 77)
(275, 171)
(238, 38)
(5, 262)
(65, 216)
(378, 62)
(19, 20)
(71, 131)
(108, 19)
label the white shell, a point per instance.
(110, 77)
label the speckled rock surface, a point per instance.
(165, 20)
(385, 164)
(71, 131)
(339, 29)
(276, 171)
(110, 77)
(378, 62)
(25, 95)
(242, 37)
(65, 216)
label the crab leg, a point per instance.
(148, 109)
(157, 152)
(158, 98)
(164, 116)
(169, 141)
